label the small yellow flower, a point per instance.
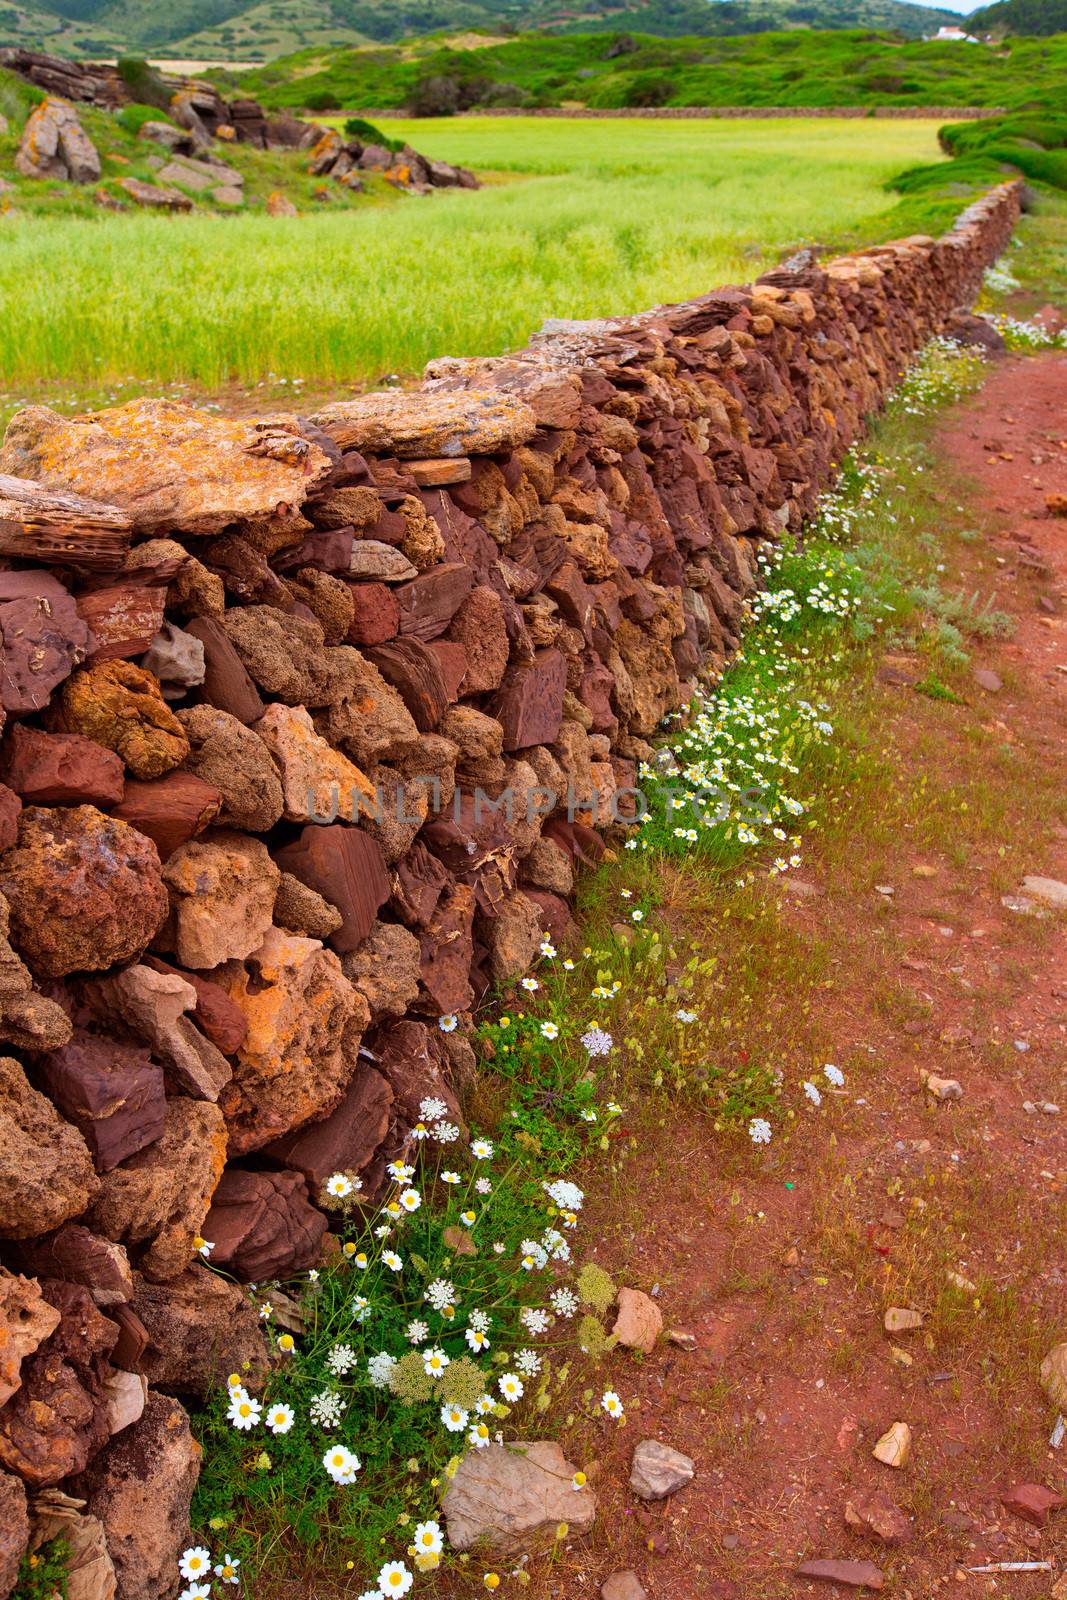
(492, 1580)
(286, 1343)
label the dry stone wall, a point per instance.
(258, 678)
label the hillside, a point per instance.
(802, 69)
(1040, 17)
(260, 30)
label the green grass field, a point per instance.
(583, 220)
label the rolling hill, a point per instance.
(257, 30)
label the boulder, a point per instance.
(140, 1487)
(214, 1013)
(14, 1530)
(284, 655)
(176, 658)
(639, 1322)
(227, 684)
(397, 423)
(26, 1321)
(153, 1005)
(42, 638)
(84, 890)
(368, 719)
(112, 1092)
(263, 1225)
(299, 909)
(200, 1328)
(511, 1499)
(58, 1418)
(304, 1023)
(55, 145)
(479, 627)
(168, 464)
(318, 782)
(222, 891)
(46, 1171)
(123, 614)
(235, 761)
(47, 769)
(347, 1139)
(344, 865)
(385, 970)
(90, 1572)
(154, 197)
(170, 810)
(75, 1255)
(120, 706)
(27, 1019)
(658, 1471)
(158, 1200)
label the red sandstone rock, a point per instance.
(10, 809)
(170, 810)
(60, 768)
(347, 1139)
(123, 617)
(412, 669)
(346, 867)
(226, 684)
(112, 1092)
(263, 1226)
(529, 704)
(375, 614)
(200, 1329)
(1033, 1503)
(42, 638)
(76, 1255)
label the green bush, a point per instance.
(367, 133)
(133, 118)
(144, 83)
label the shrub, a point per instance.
(322, 100)
(648, 89)
(133, 118)
(144, 83)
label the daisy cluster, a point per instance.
(1020, 334)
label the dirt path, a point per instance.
(895, 955)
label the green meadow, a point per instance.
(577, 219)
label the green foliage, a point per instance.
(595, 1287)
(772, 68)
(45, 1573)
(1021, 16)
(144, 82)
(133, 118)
(360, 128)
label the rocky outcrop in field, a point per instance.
(310, 723)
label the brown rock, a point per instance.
(14, 1530)
(152, 1002)
(226, 683)
(414, 426)
(154, 197)
(26, 1321)
(236, 762)
(512, 935)
(222, 893)
(874, 1513)
(160, 1198)
(479, 627)
(347, 1139)
(447, 953)
(377, 562)
(57, 1418)
(511, 1500)
(200, 1328)
(214, 1013)
(639, 1322)
(529, 703)
(284, 655)
(346, 867)
(434, 473)
(368, 719)
(42, 639)
(385, 970)
(112, 1093)
(46, 1171)
(120, 706)
(623, 1586)
(84, 890)
(1054, 1375)
(299, 909)
(75, 1255)
(318, 782)
(27, 1019)
(1032, 1503)
(420, 881)
(413, 1058)
(263, 1225)
(304, 1022)
(10, 807)
(193, 591)
(429, 602)
(168, 464)
(170, 810)
(60, 768)
(140, 1487)
(849, 1574)
(58, 1515)
(413, 670)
